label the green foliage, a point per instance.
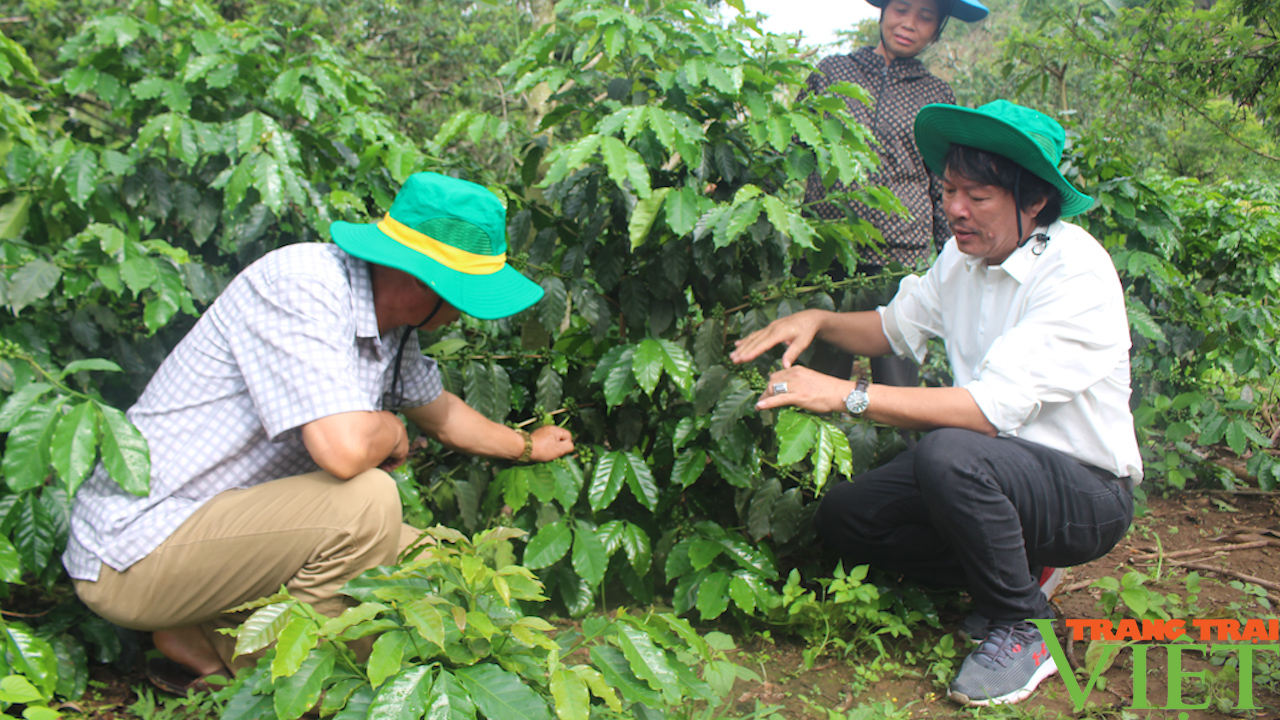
(54, 431)
(171, 149)
(451, 638)
(800, 434)
(1201, 268)
(149, 155)
(1178, 83)
(29, 666)
(1177, 54)
(942, 660)
(1131, 597)
(846, 613)
(660, 208)
(199, 706)
(436, 62)
(712, 567)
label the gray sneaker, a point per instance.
(1006, 668)
(974, 626)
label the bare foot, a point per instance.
(188, 646)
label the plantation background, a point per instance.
(652, 158)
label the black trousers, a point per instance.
(965, 509)
(886, 370)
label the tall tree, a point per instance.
(1196, 68)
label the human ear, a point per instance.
(1034, 208)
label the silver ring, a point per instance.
(779, 388)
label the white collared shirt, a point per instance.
(1040, 341)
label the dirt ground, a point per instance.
(1187, 528)
(1192, 529)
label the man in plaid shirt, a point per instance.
(272, 424)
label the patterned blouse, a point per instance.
(900, 90)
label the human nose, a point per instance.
(955, 208)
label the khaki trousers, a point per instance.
(310, 533)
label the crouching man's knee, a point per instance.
(371, 502)
(945, 460)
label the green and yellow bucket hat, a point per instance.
(451, 235)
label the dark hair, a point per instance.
(944, 14)
(988, 168)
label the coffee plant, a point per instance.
(660, 207)
(1201, 267)
(453, 639)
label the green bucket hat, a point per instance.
(451, 235)
(1030, 138)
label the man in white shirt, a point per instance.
(1031, 457)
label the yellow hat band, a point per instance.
(447, 255)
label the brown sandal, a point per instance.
(177, 679)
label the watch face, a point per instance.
(857, 402)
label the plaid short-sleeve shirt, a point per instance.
(292, 339)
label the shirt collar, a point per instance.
(1019, 263)
(361, 296)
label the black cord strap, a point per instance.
(397, 391)
(1017, 205)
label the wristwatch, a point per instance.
(857, 401)
(528, 445)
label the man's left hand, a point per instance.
(806, 389)
(550, 442)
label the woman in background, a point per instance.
(900, 86)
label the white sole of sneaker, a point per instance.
(1047, 669)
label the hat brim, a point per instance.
(965, 10)
(938, 127)
(488, 297)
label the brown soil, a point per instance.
(833, 688)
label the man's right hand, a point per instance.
(797, 331)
